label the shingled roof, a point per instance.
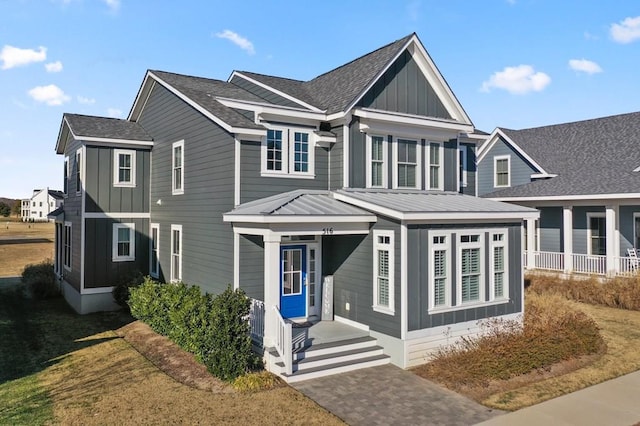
(107, 128)
(595, 156)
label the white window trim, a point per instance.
(418, 162)
(385, 161)
(173, 277)
(462, 165)
(389, 310)
(636, 215)
(440, 187)
(495, 170)
(79, 175)
(174, 191)
(483, 255)
(155, 226)
(67, 174)
(288, 147)
(132, 242)
(116, 168)
(505, 282)
(589, 233)
(432, 288)
(64, 246)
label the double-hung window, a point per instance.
(407, 170)
(177, 168)
(124, 167)
(124, 242)
(78, 171)
(176, 253)
(66, 255)
(597, 234)
(462, 167)
(377, 168)
(440, 267)
(502, 171)
(300, 152)
(383, 272)
(499, 277)
(470, 269)
(288, 152)
(436, 175)
(154, 248)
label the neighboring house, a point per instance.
(584, 178)
(41, 203)
(340, 198)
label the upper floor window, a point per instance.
(124, 242)
(78, 171)
(177, 167)
(502, 171)
(124, 167)
(288, 152)
(383, 271)
(407, 167)
(436, 175)
(377, 155)
(462, 167)
(65, 178)
(301, 152)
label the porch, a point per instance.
(573, 263)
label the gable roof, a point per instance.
(589, 157)
(59, 195)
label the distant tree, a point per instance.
(17, 208)
(5, 210)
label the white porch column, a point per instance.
(271, 286)
(531, 244)
(613, 249)
(567, 237)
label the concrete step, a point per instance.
(336, 368)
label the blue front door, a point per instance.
(293, 274)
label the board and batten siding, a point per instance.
(520, 172)
(207, 242)
(349, 258)
(263, 93)
(73, 214)
(252, 266)
(470, 189)
(418, 276)
(102, 195)
(336, 160)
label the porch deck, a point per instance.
(575, 263)
(321, 332)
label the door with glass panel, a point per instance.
(293, 274)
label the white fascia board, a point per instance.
(484, 149)
(637, 169)
(139, 103)
(276, 91)
(542, 175)
(569, 197)
(62, 136)
(297, 219)
(412, 120)
(113, 142)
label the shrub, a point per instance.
(124, 284)
(40, 280)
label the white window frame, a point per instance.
(462, 167)
(67, 174)
(79, 165)
(288, 153)
(636, 216)
(504, 243)
(176, 277)
(440, 165)
(132, 242)
(495, 170)
(390, 247)
(591, 215)
(482, 280)
(154, 227)
(174, 190)
(385, 161)
(433, 247)
(418, 162)
(67, 241)
(116, 168)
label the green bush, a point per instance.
(125, 282)
(40, 280)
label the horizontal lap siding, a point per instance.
(207, 256)
(550, 229)
(580, 226)
(521, 171)
(252, 266)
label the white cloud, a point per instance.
(589, 36)
(53, 66)
(511, 2)
(517, 80)
(626, 31)
(238, 40)
(51, 95)
(114, 112)
(584, 65)
(85, 101)
(114, 5)
(14, 56)
(413, 9)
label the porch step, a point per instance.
(334, 347)
(341, 367)
(313, 361)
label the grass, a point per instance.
(26, 230)
(57, 367)
(14, 257)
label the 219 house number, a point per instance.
(327, 231)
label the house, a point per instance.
(41, 203)
(584, 178)
(349, 198)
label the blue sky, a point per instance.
(511, 63)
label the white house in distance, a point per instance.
(41, 203)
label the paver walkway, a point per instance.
(389, 395)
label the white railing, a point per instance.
(589, 264)
(256, 320)
(284, 341)
(549, 260)
(524, 259)
(628, 265)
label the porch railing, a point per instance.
(583, 263)
(284, 341)
(549, 260)
(589, 264)
(256, 320)
(628, 265)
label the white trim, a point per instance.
(418, 121)
(493, 138)
(114, 142)
(298, 219)
(237, 170)
(591, 215)
(570, 197)
(66, 173)
(116, 215)
(64, 247)
(79, 169)
(369, 160)
(542, 175)
(83, 223)
(115, 257)
(404, 280)
(395, 164)
(345, 156)
(116, 168)
(495, 170)
(428, 164)
(236, 261)
(288, 152)
(504, 243)
(155, 226)
(433, 247)
(390, 249)
(173, 276)
(174, 190)
(351, 323)
(462, 165)
(97, 290)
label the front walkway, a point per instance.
(389, 395)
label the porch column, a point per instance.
(271, 286)
(531, 243)
(613, 249)
(567, 237)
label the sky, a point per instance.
(511, 63)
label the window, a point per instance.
(312, 277)
(78, 171)
(287, 152)
(383, 271)
(501, 166)
(34, 204)
(176, 253)
(40, 203)
(177, 167)
(65, 178)
(66, 255)
(407, 164)
(597, 234)
(470, 269)
(499, 278)
(124, 235)
(439, 265)
(124, 168)
(462, 167)
(435, 166)
(377, 155)
(154, 248)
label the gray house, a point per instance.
(584, 178)
(348, 198)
